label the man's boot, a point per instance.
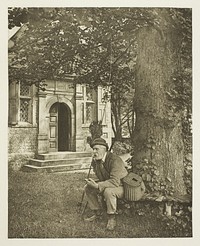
(95, 216)
(111, 222)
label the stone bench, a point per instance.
(167, 200)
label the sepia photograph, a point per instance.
(100, 122)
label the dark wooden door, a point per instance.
(53, 128)
(64, 128)
(60, 128)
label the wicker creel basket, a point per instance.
(134, 187)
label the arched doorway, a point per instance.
(59, 128)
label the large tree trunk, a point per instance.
(158, 129)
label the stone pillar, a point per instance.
(79, 133)
(43, 142)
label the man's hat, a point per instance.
(99, 141)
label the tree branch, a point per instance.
(117, 59)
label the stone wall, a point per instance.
(22, 144)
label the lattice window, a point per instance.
(24, 90)
(25, 103)
(24, 110)
(88, 105)
(89, 112)
(89, 94)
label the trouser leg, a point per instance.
(111, 195)
(92, 198)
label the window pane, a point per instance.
(24, 90)
(89, 113)
(24, 108)
(102, 113)
(89, 94)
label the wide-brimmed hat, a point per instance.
(99, 141)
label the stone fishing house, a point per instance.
(49, 129)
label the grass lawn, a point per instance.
(44, 205)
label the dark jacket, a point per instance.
(109, 172)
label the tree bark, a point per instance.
(158, 130)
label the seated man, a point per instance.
(109, 169)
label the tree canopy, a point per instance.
(90, 42)
(97, 45)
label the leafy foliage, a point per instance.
(16, 17)
(84, 42)
(155, 185)
(121, 148)
(181, 219)
(96, 131)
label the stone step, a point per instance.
(84, 161)
(63, 155)
(51, 169)
(60, 162)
